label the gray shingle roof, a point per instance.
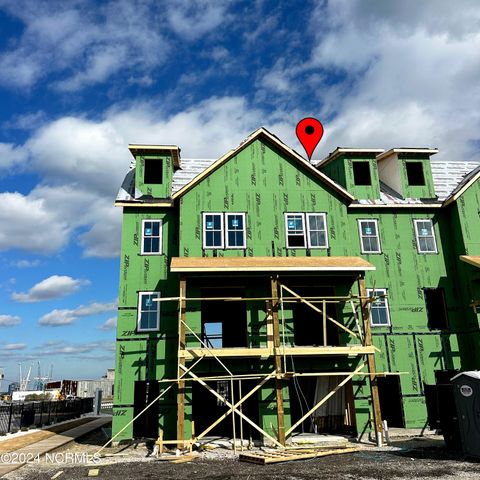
(448, 176)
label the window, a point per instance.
(235, 234)
(436, 308)
(224, 230)
(153, 172)
(317, 230)
(148, 311)
(295, 225)
(212, 334)
(415, 176)
(212, 230)
(369, 239)
(425, 236)
(379, 314)
(151, 237)
(361, 173)
(304, 230)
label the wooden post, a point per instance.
(367, 335)
(278, 362)
(324, 309)
(181, 363)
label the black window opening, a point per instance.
(361, 173)
(153, 173)
(415, 175)
(436, 308)
(224, 327)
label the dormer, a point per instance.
(355, 169)
(408, 171)
(154, 167)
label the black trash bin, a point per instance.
(442, 413)
(467, 399)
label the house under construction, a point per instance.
(262, 295)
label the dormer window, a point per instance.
(415, 175)
(153, 173)
(361, 173)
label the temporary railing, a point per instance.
(15, 416)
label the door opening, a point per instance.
(145, 426)
(391, 406)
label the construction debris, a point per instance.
(277, 456)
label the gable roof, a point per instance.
(450, 178)
(265, 134)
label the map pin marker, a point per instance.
(309, 131)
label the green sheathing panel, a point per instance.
(408, 345)
(265, 184)
(145, 355)
(341, 170)
(336, 171)
(425, 191)
(463, 229)
(362, 191)
(165, 163)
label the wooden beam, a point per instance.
(234, 407)
(181, 363)
(306, 302)
(324, 399)
(349, 350)
(229, 404)
(277, 362)
(377, 415)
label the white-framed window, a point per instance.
(295, 230)
(379, 313)
(148, 312)
(224, 230)
(235, 230)
(369, 238)
(151, 237)
(317, 234)
(306, 230)
(212, 230)
(425, 236)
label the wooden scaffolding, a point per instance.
(276, 349)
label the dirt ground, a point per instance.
(416, 458)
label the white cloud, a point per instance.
(14, 346)
(11, 157)
(84, 43)
(381, 76)
(83, 173)
(20, 217)
(58, 318)
(9, 320)
(56, 286)
(26, 263)
(190, 20)
(110, 324)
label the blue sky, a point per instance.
(79, 80)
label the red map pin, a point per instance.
(309, 131)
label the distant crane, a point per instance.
(24, 381)
(41, 380)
